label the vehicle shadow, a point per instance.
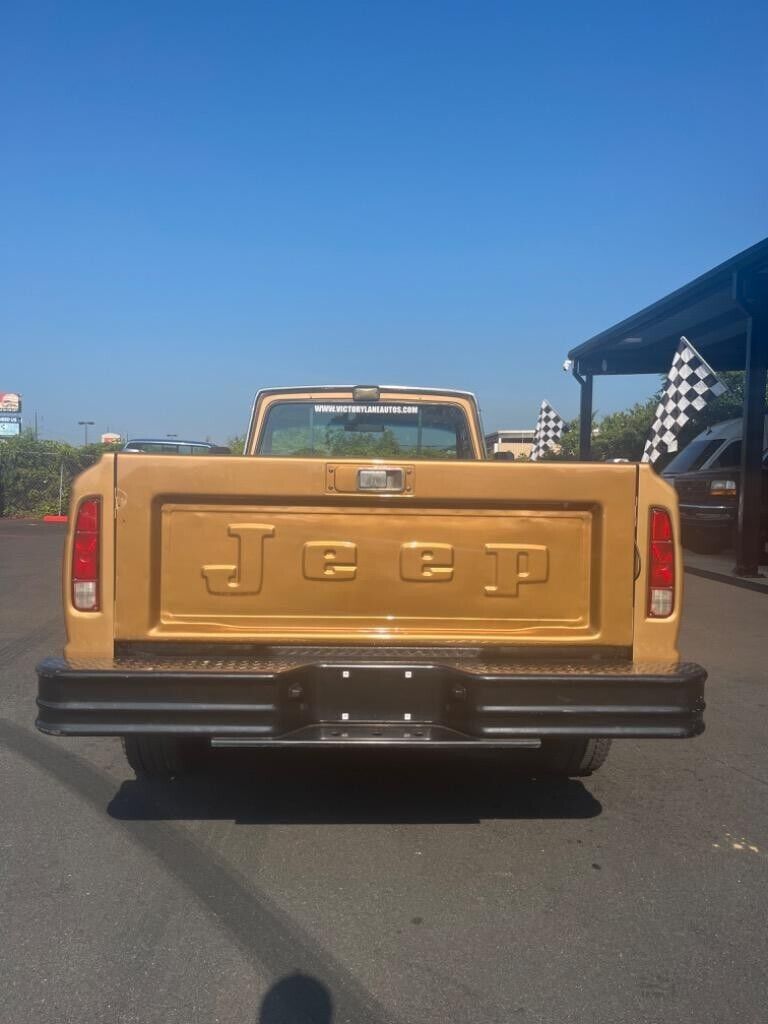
(360, 787)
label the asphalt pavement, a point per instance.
(368, 889)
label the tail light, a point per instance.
(661, 565)
(86, 555)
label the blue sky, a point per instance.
(198, 199)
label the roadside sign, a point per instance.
(10, 425)
(10, 401)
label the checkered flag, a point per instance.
(691, 383)
(549, 430)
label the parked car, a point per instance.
(157, 446)
(718, 445)
(707, 476)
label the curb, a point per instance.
(55, 519)
(733, 581)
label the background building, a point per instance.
(518, 442)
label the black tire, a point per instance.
(705, 542)
(163, 757)
(573, 757)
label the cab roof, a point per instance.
(400, 388)
(168, 440)
(728, 430)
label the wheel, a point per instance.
(163, 757)
(577, 757)
(705, 542)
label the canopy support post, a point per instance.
(585, 415)
(749, 542)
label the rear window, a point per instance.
(693, 456)
(355, 430)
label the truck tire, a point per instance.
(705, 542)
(163, 757)
(573, 757)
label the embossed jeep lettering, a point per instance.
(336, 561)
(245, 577)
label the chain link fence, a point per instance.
(36, 476)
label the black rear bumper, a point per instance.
(714, 516)
(380, 699)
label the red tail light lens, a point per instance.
(661, 565)
(661, 524)
(86, 556)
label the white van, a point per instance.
(714, 448)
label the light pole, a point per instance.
(85, 424)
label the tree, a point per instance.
(32, 473)
(622, 435)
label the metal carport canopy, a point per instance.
(724, 312)
(707, 310)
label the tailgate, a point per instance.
(276, 550)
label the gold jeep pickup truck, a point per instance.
(364, 576)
